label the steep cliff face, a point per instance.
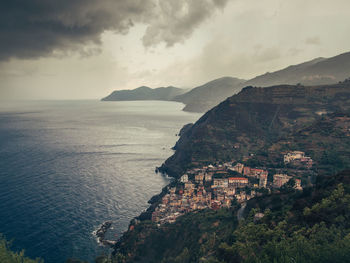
(254, 119)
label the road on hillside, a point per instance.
(241, 211)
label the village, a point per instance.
(221, 185)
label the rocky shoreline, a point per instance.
(100, 233)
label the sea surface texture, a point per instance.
(68, 166)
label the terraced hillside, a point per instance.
(254, 119)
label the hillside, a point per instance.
(144, 93)
(252, 120)
(327, 141)
(297, 226)
(256, 127)
(204, 97)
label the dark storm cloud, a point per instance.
(35, 28)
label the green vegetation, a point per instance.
(326, 141)
(319, 233)
(308, 226)
(257, 118)
(9, 256)
(256, 127)
(199, 233)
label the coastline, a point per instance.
(155, 199)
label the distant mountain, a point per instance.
(319, 71)
(206, 96)
(145, 93)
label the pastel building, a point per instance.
(238, 181)
(238, 168)
(280, 179)
(220, 183)
(263, 180)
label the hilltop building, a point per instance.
(298, 158)
(293, 156)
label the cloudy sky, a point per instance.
(84, 49)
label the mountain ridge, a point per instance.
(207, 94)
(318, 71)
(145, 93)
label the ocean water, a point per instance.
(68, 166)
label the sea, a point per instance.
(68, 166)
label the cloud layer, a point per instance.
(37, 28)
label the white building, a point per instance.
(291, 156)
(184, 178)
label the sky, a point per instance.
(85, 49)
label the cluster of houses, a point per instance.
(218, 186)
(298, 159)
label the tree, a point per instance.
(9, 256)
